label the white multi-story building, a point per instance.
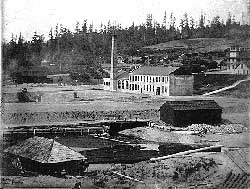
(164, 81)
(154, 81)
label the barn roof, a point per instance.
(44, 150)
(156, 70)
(193, 105)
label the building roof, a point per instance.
(156, 70)
(118, 65)
(123, 75)
(192, 105)
(44, 150)
(246, 63)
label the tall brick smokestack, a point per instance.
(113, 72)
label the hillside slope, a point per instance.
(201, 44)
(240, 91)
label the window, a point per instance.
(130, 78)
(130, 87)
(166, 89)
(150, 79)
(119, 84)
(162, 79)
(126, 84)
(162, 89)
(156, 79)
(144, 78)
(147, 87)
(153, 88)
(141, 78)
(153, 79)
(123, 84)
(166, 79)
(241, 66)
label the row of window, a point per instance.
(106, 83)
(236, 60)
(149, 88)
(235, 66)
(134, 87)
(244, 72)
(122, 84)
(148, 78)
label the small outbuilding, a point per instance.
(46, 156)
(184, 113)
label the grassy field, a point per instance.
(60, 99)
(210, 82)
(240, 91)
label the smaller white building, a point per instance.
(238, 61)
(153, 81)
(122, 82)
(242, 68)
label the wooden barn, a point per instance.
(46, 156)
(184, 113)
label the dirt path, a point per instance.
(226, 88)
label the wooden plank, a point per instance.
(237, 181)
(243, 179)
(128, 177)
(228, 179)
(238, 160)
(233, 181)
(186, 152)
(246, 183)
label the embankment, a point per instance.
(49, 117)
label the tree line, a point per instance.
(85, 48)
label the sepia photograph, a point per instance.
(125, 94)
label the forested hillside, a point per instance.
(85, 48)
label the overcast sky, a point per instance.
(27, 16)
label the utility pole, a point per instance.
(113, 72)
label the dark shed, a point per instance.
(183, 113)
(46, 156)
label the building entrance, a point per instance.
(158, 91)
